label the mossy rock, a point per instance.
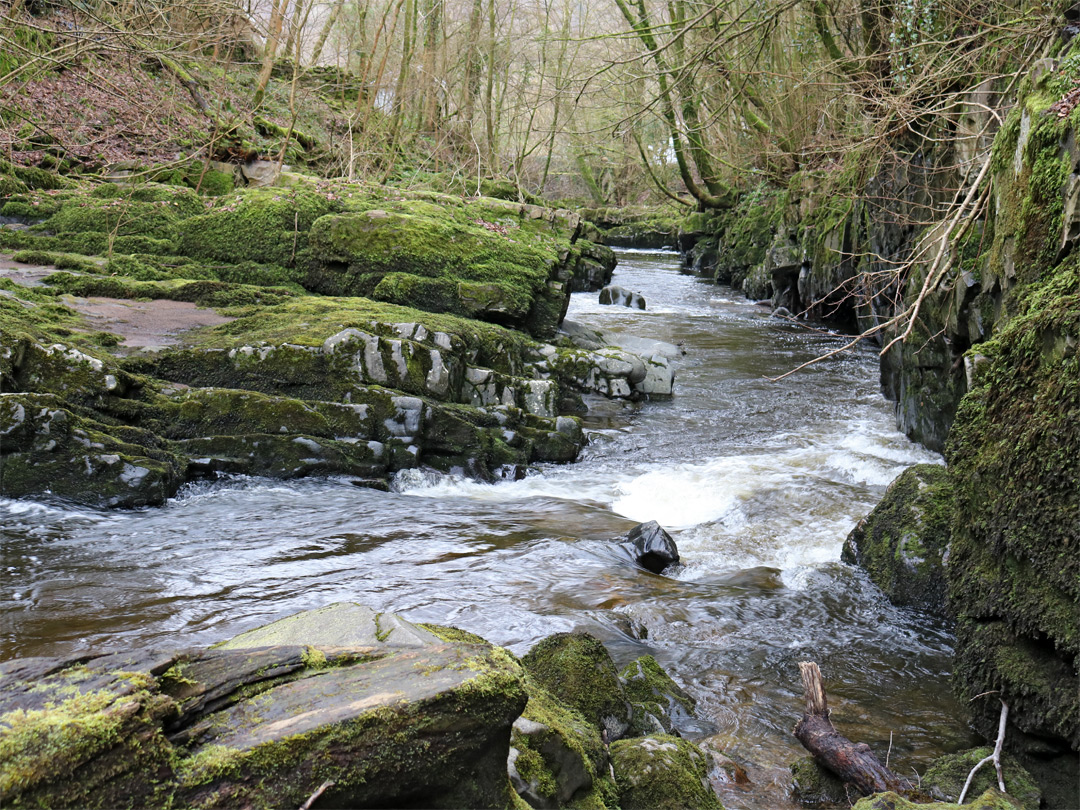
(50, 450)
(265, 226)
(658, 702)
(261, 727)
(902, 542)
(989, 800)
(814, 786)
(427, 258)
(662, 772)
(1014, 465)
(558, 758)
(947, 775)
(577, 669)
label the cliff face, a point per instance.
(989, 372)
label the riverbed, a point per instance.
(759, 482)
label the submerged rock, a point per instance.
(659, 704)
(622, 297)
(815, 786)
(654, 548)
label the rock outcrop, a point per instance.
(291, 381)
(988, 375)
(369, 709)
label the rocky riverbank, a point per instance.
(989, 375)
(349, 331)
(359, 708)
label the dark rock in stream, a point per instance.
(654, 547)
(393, 714)
(622, 297)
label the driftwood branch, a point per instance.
(311, 799)
(854, 763)
(994, 757)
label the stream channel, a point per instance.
(759, 482)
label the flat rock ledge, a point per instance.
(363, 708)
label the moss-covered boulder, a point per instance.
(903, 542)
(659, 704)
(421, 725)
(662, 772)
(557, 757)
(947, 776)
(990, 800)
(814, 786)
(577, 669)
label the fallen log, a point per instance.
(853, 762)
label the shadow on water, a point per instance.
(759, 483)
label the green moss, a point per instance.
(990, 800)
(662, 773)
(948, 775)
(577, 669)
(61, 261)
(1015, 467)
(266, 226)
(453, 634)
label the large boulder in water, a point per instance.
(654, 548)
(389, 724)
(622, 297)
(902, 542)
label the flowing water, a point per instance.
(758, 481)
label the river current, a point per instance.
(759, 482)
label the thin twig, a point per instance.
(314, 796)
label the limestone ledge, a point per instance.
(364, 403)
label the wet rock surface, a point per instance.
(391, 713)
(654, 548)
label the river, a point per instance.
(759, 482)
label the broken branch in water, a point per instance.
(854, 763)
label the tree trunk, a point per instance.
(277, 15)
(854, 763)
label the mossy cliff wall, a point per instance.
(990, 375)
